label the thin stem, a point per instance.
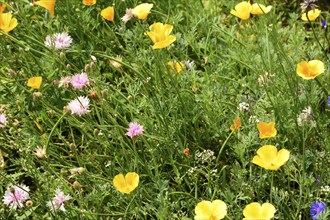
(53, 129)
(223, 145)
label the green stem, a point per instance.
(53, 129)
(271, 187)
(223, 145)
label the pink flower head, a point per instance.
(79, 106)
(15, 196)
(79, 81)
(58, 201)
(134, 129)
(58, 41)
(3, 120)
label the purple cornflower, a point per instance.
(58, 201)
(79, 106)
(324, 24)
(58, 41)
(79, 81)
(3, 120)
(15, 196)
(316, 209)
(134, 129)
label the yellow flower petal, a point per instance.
(266, 130)
(7, 23)
(108, 13)
(142, 11)
(242, 10)
(269, 158)
(267, 211)
(35, 82)
(255, 211)
(126, 184)
(312, 15)
(311, 69)
(48, 4)
(206, 210)
(259, 9)
(252, 211)
(160, 35)
(282, 157)
(89, 2)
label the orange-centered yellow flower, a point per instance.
(269, 158)
(142, 11)
(206, 210)
(48, 4)
(35, 82)
(89, 2)
(255, 211)
(236, 125)
(312, 15)
(242, 10)
(266, 130)
(7, 23)
(310, 69)
(108, 13)
(259, 9)
(126, 184)
(175, 67)
(160, 35)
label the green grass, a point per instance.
(193, 109)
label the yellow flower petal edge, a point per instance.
(126, 184)
(310, 70)
(216, 209)
(259, 9)
(48, 4)
(242, 10)
(160, 35)
(236, 125)
(7, 22)
(142, 11)
(35, 82)
(269, 158)
(312, 15)
(89, 2)
(108, 13)
(255, 211)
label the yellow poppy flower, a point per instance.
(89, 2)
(310, 69)
(160, 35)
(7, 23)
(312, 15)
(47, 4)
(175, 67)
(206, 210)
(3, 7)
(266, 130)
(108, 13)
(255, 211)
(269, 158)
(236, 125)
(242, 10)
(35, 82)
(142, 11)
(126, 184)
(259, 9)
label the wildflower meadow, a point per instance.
(172, 109)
